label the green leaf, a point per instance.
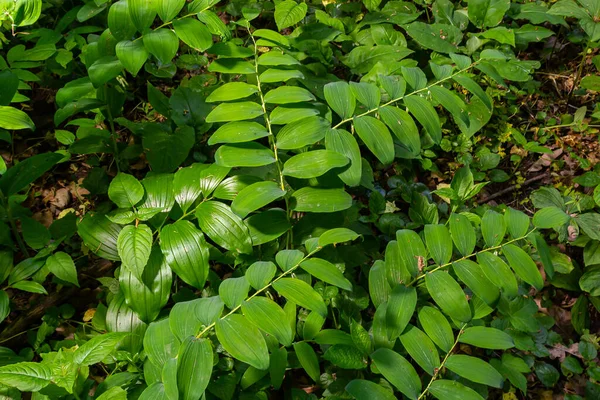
(104, 70)
(243, 341)
(343, 142)
(448, 294)
(377, 137)
(424, 112)
(119, 21)
(400, 308)
(286, 114)
(267, 226)
(362, 389)
(211, 177)
(327, 272)
(337, 235)
(14, 119)
(437, 327)
(62, 266)
(29, 286)
(439, 243)
(260, 274)
(312, 325)
(255, 196)
(316, 200)
(474, 369)
(4, 305)
(125, 190)
(443, 389)
(94, 351)
(275, 58)
(233, 291)
(249, 154)
(379, 288)
(487, 338)
(186, 252)
(186, 185)
(340, 98)
(493, 228)
(437, 37)
(142, 13)
(36, 235)
(412, 253)
(451, 102)
(231, 66)
(224, 227)
(405, 129)
(184, 320)
(474, 277)
(550, 217)
(344, 356)
(288, 13)
(591, 82)
(269, 317)
(498, 273)
(133, 55)
(168, 9)
(308, 359)
(313, 163)
(487, 12)
(150, 294)
(517, 222)
(288, 94)
(162, 43)
(399, 371)
(134, 245)
(302, 133)
(278, 367)
(194, 367)
(241, 111)
(523, 265)
(301, 293)
(100, 236)
(26, 376)
(421, 349)
(232, 91)
(366, 93)
(273, 75)
(238, 132)
(463, 234)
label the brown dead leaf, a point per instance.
(560, 351)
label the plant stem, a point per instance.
(439, 369)
(113, 133)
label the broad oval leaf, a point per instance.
(232, 91)
(142, 13)
(377, 138)
(424, 112)
(186, 252)
(437, 327)
(486, 338)
(119, 21)
(288, 94)
(162, 43)
(194, 367)
(523, 265)
(463, 234)
(256, 196)
(496, 270)
(448, 294)
(399, 371)
(224, 227)
(249, 154)
(125, 190)
(337, 235)
(238, 132)
(327, 272)
(517, 222)
(412, 253)
(493, 228)
(233, 291)
(94, 351)
(421, 349)
(313, 163)
(302, 133)
(308, 359)
(268, 316)
(301, 293)
(132, 54)
(62, 266)
(550, 217)
(343, 142)
(340, 98)
(26, 376)
(400, 308)
(134, 245)
(160, 344)
(474, 369)
(362, 389)
(243, 341)
(473, 276)
(227, 112)
(260, 274)
(316, 200)
(14, 119)
(100, 236)
(168, 9)
(439, 243)
(443, 389)
(288, 13)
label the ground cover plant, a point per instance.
(260, 200)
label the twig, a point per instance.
(514, 187)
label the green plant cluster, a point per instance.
(253, 174)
